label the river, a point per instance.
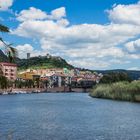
(67, 117)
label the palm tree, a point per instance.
(10, 51)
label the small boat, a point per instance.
(5, 93)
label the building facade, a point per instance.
(9, 70)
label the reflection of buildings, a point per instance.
(9, 70)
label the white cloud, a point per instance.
(24, 49)
(134, 68)
(133, 46)
(89, 41)
(94, 51)
(63, 22)
(27, 48)
(58, 13)
(37, 14)
(133, 56)
(118, 61)
(89, 63)
(31, 14)
(5, 4)
(128, 14)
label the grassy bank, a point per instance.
(118, 91)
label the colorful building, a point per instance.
(9, 70)
(61, 77)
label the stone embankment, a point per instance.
(42, 90)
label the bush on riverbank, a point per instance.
(3, 82)
(118, 91)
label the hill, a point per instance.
(43, 62)
(133, 74)
(38, 62)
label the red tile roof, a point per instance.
(8, 64)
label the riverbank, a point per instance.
(124, 91)
(42, 90)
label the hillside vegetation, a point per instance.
(43, 62)
(38, 62)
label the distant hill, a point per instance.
(43, 62)
(133, 74)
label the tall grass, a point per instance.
(118, 91)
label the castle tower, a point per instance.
(28, 55)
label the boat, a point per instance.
(5, 93)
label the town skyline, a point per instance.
(88, 36)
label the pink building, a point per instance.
(9, 70)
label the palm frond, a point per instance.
(13, 51)
(3, 28)
(5, 44)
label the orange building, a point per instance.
(9, 70)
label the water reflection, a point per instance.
(67, 117)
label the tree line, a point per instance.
(113, 77)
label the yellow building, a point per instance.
(26, 75)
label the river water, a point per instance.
(67, 117)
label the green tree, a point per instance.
(1, 72)
(3, 82)
(115, 77)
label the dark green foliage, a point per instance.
(12, 54)
(43, 62)
(3, 82)
(26, 84)
(115, 77)
(3, 28)
(133, 74)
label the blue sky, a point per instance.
(93, 34)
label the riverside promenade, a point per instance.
(42, 90)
